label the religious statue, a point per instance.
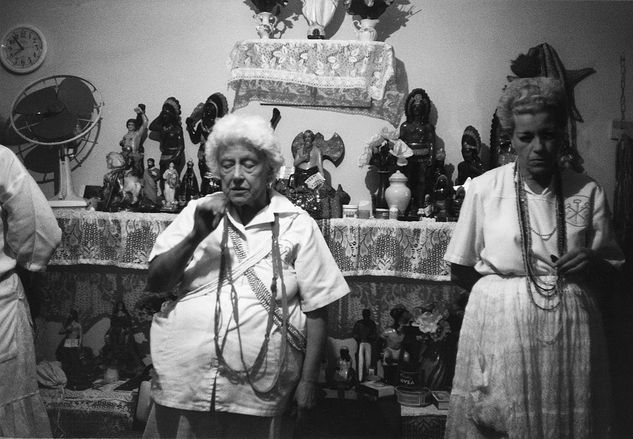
(309, 150)
(442, 196)
(113, 182)
(394, 352)
(189, 183)
(170, 182)
(167, 130)
(151, 188)
(419, 134)
(118, 349)
(199, 126)
(472, 166)
(344, 376)
(69, 350)
(132, 142)
(365, 333)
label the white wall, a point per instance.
(458, 51)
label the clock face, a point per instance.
(22, 49)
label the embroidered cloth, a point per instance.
(339, 75)
(360, 247)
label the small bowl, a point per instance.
(381, 213)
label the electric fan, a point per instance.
(59, 111)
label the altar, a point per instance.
(103, 258)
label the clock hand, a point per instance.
(15, 38)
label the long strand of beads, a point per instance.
(544, 290)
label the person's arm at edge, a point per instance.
(316, 327)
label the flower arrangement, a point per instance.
(367, 8)
(266, 5)
(432, 322)
(385, 151)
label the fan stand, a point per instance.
(66, 197)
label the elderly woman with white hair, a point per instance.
(253, 276)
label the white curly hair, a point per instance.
(250, 130)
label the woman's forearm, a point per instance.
(316, 335)
(166, 269)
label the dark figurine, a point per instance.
(118, 349)
(199, 126)
(419, 134)
(167, 130)
(132, 142)
(458, 200)
(365, 332)
(309, 150)
(367, 8)
(472, 165)
(442, 195)
(114, 181)
(151, 188)
(189, 184)
(69, 350)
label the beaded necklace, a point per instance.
(547, 291)
(249, 374)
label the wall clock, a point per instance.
(22, 48)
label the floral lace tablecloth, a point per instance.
(358, 77)
(411, 250)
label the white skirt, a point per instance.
(523, 372)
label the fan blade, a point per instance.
(42, 159)
(77, 97)
(56, 128)
(37, 102)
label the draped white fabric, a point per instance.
(319, 11)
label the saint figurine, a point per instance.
(69, 350)
(151, 177)
(132, 142)
(365, 333)
(170, 179)
(419, 134)
(189, 183)
(472, 165)
(167, 130)
(114, 181)
(199, 126)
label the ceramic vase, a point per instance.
(398, 193)
(366, 29)
(266, 22)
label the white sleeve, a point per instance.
(30, 227)
(319, 278)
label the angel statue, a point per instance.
(199, 126)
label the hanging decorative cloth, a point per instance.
(357, 77)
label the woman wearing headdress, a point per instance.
(534, 245)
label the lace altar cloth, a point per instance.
(411, 250)
(121, 239)
(96, 412)
(349, 76)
